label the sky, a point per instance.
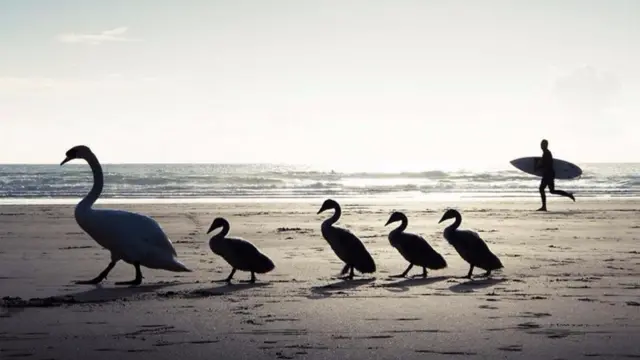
(401, 84)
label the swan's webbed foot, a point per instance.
(485, 275)
(404, 274)
(398, 276)
(99, 278)
(228, 279)
(93, 281)
(131, 282)
(137, 280)
(348, 277)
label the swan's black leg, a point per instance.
(404, 274)
(100, 277)
(345, 269)
(137, 280)
(487, 274)
(228, 279)
(469, 274)
(253, 278)
(424, 272)
(348, 268)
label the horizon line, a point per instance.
(269, 163)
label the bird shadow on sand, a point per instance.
(224, 289)
(404, 285)
(97, 294)
(475, 284)
(105, 294)
(339, 287)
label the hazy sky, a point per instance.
(386, 84)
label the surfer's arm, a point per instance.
(537, 163)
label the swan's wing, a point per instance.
(356, 252)
(130, 232)
(247, 256)
(473, 241)
(477, 252)
(241, 246)
(415, 249)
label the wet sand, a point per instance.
(570, 288)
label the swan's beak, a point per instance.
(321, 210)
(211, 228)
(388, 222)
(444, 217)
(66, 160)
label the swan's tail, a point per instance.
(177, 266)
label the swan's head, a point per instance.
(76, 152)
(449, 214)
(328, 204)
(396, 216)
(217, 223)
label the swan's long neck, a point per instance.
(402, 227)
(456, 224)
(223, 233)
(333, 219)
(217, 243)
(98, 182)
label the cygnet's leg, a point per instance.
(137, 280)
(228, 279)
(469, 274)
(404, 274)
(345, 269)
(100, 277)
(351, 274)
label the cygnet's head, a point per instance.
(77, 152)
(217, 223)
(449, 214)
(396, 216)
(328, 204)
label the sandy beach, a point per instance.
(570, 288)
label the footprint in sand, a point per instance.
(511, 348)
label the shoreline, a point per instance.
(436, 198)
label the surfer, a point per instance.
(548, 176)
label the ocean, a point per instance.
(222, 182)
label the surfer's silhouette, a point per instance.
(548, 176)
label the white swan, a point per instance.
(133, 238)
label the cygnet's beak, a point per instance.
(66, 160)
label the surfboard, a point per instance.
(564, 169)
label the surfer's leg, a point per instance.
(552, 190)
(543, 196)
